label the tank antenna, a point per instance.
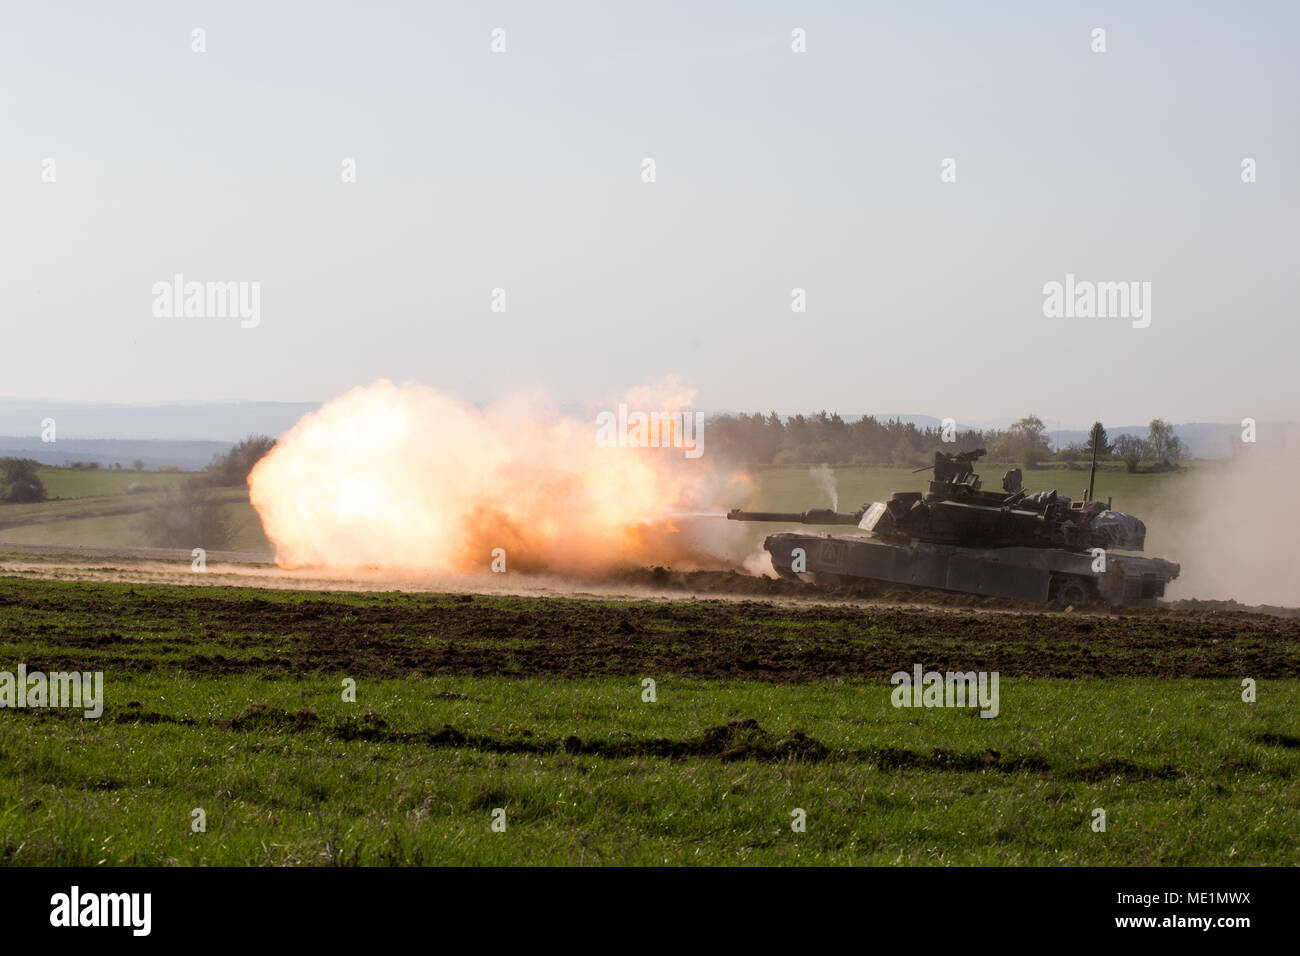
(1092, 478)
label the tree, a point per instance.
(1132, 450)
(1098, 438)
(137, 465)
(1163, 446)
(19, 482)
(233, 467)
(1025, 441)
(1126, 445)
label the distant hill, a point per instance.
(188, 435)
(106, 452)
(217, 421)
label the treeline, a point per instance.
(827, 438)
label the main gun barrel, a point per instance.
(815, 516)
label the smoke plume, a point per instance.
(824, 474)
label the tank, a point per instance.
(958, 537)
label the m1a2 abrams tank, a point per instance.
(958, 537)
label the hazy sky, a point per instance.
(522, 170)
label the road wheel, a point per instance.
(1072, 590)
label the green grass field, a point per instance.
(97, 482)
(93, 508)
(1185, 773)
(199, 713)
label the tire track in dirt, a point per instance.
(743, 739)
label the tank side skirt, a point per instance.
(1021, 573)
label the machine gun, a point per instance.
(954, 472)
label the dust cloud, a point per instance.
(1235, 526)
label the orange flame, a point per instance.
(406, 477)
